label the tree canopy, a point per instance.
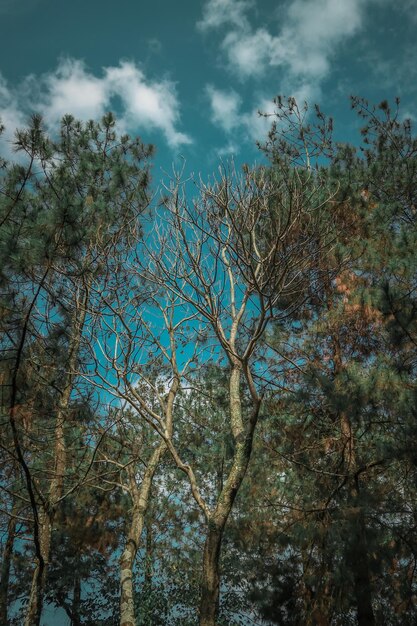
(208, 388)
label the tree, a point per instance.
(344, 432)
(222, 281)
(212, 403)
(63, 214)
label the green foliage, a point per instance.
(323, 527)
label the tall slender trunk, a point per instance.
(72, 606)
(34, 610)
(5, 569)
(140, 496)
(76, 599)
(357, 547)
(243, 438)
(77, 325)
(35, 603)
(358, 559)
(127, 560)
(148, 556)
(210, 588)
(47, 511)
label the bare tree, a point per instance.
(228, 263)
(133, 460)
(136, 361)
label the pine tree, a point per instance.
(66, 216)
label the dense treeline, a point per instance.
(208, 396)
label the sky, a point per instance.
(190, 76)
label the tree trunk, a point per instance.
(358, 544)
(358, 562)
(210, 588)
(5, 569)
(148, 578)
(243, 438)
(127, 604)
(56, 487)
(140, 496)
(34, 609)
(76, 599)
(46, 518)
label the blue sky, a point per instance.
(190, 76)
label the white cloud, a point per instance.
(319, 23)
(256, 125)
(219, 12)
(312, 32)
(249, 52)
(302, 46)
(226, 113)
(252, 124)
(71, 88)
(224, 107)
(146, 104)
(228, 151)
(11, 117)
(308, 35)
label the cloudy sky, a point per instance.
(191, 75)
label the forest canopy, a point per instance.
(208, 387)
